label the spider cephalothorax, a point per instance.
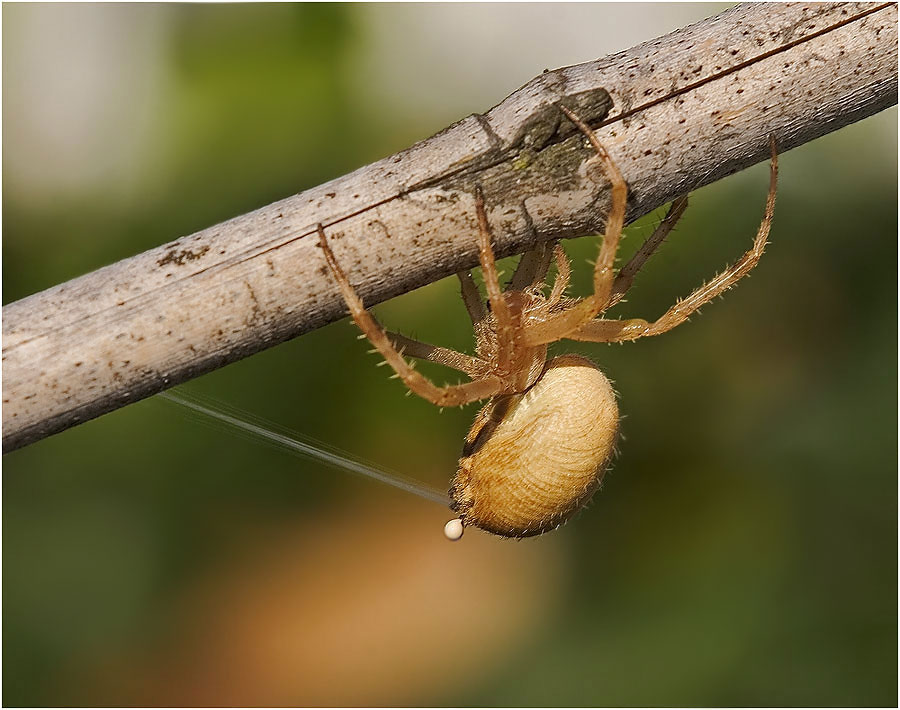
(538, 449)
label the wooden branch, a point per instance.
(675, 113)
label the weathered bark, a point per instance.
(675, 113)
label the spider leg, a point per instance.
(563, 274)
(532, 268)
(474, 367)
(626, 274)
(606, 331)
(629, 271)
(471, 297)
(448, 396)
(561, 324)
(507, 329)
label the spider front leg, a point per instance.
(607, 331)
(561, 324)
(448, 396)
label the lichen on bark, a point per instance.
(543, 157)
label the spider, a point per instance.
(539, 448)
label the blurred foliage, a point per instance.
(742, 551)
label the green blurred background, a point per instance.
(743, 551)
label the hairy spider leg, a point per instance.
(474, 367)
(563, 274)
(471, 297)
(481, 327)
(559, 325)
(447, 396)
(627, 273)
(605, 331)
(507, 324)
(532, 268)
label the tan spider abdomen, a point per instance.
(532, 460)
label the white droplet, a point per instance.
(454, 529)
